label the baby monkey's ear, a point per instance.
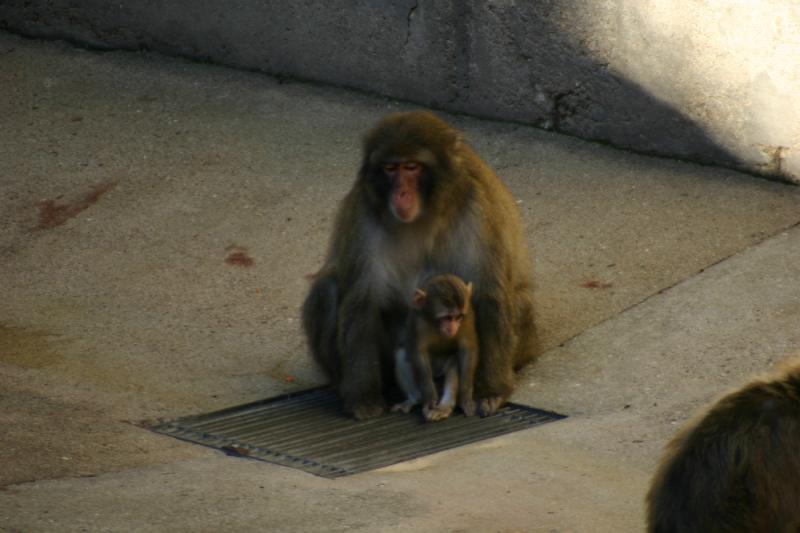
(469, 290)
(418, 300)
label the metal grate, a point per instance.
(307, 430)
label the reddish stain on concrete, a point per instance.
(594, 284)
(239, 258)
(236, 451)
(53, 213)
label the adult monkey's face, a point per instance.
(405, 201)
(406, 155)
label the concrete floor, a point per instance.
(157, 218)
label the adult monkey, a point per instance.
(736, 468)
(423, 203)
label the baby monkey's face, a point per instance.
(449, 320)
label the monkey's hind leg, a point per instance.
(527, 348)
(404, 372)
(320, 325)
(445, 406)
(467, 364)
(494, 381)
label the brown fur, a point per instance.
(737, 468)
(356, 310)
(431, 353)
(444, 290)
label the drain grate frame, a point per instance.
(307, 430)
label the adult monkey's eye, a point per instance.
(390, 168)
(411, 165)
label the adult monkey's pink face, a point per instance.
(405, 202)
(408, 160)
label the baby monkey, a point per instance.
(441, 341)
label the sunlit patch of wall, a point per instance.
(731, 66)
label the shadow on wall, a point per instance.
(520, 64)
(525, 62)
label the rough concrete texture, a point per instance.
(157, 218)
(705, 80)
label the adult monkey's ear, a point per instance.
(454, 150)
(419, 298)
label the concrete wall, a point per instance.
(716, 81)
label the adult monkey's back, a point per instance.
(423, 203)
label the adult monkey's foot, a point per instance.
(489, 406)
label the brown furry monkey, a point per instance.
(737, 468)
(423, 203)
(441, 341)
